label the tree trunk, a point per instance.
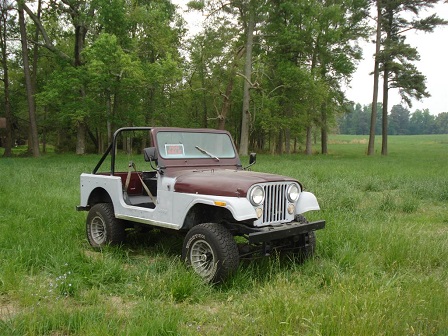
(386, 92)
(7, 103)
(34, 67)
(109, 116)
(323, 131)
(309, 134)
(279, 149)
(288, 140)
(204, 95)
(44, 132)
(245, 120)
(81, 138)
(80, 34)
(376, 74)
(324, 140)
(385, 102)
(225, 105)
(229, 89)
(29, 85)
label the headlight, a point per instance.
(256, 195)
(293, 192)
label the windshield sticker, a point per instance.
(174, 150)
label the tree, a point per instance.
(245, 119)
(441, 123)
(342, 23)
(399, 120)
(376, 75)
(245, 13)
(396, 57)
(81, 15)
(30, 88)
(422, 122)
(5, 27)
(356, 120)
(318, 39)
(212, 74)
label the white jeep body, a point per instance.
(172, 207)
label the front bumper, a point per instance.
(268, 234)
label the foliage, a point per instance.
(383, 247)
(402, 121)
(394, 57)
(105, 64)
(397, 56)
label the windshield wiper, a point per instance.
(207, 153)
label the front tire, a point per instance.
(210, 250)
(102, 228)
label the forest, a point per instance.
(401, 121)
(272, 73)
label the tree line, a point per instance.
(401, 121)
(270, 72)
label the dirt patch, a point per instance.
(93, 255)
(120, 306)
(349, 142)
(359, 141)
(7, 309)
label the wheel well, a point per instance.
(99, 195)
(203, 213)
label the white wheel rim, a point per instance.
(203, 259)
(98, 230)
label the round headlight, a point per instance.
(256, 195)
(293, 192)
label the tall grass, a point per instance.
(380, 267)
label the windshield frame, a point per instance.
(195, 144)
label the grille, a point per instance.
(275, 204)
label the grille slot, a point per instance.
(275, 203)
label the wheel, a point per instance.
(210, 250)
(102, 227)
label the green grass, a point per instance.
(381, 266)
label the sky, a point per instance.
(433, 50)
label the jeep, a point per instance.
(193, 182)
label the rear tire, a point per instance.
(102, 228)
(211, 251)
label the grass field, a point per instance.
(381, 265)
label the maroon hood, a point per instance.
(219, 182)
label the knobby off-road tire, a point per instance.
(211, 251)
(102, 227)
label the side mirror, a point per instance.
(252, 158)
(150, 154)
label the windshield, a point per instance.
(194, 145)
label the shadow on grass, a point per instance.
(158, 241)
(251, 273)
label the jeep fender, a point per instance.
(240, 208)
(307, 202)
